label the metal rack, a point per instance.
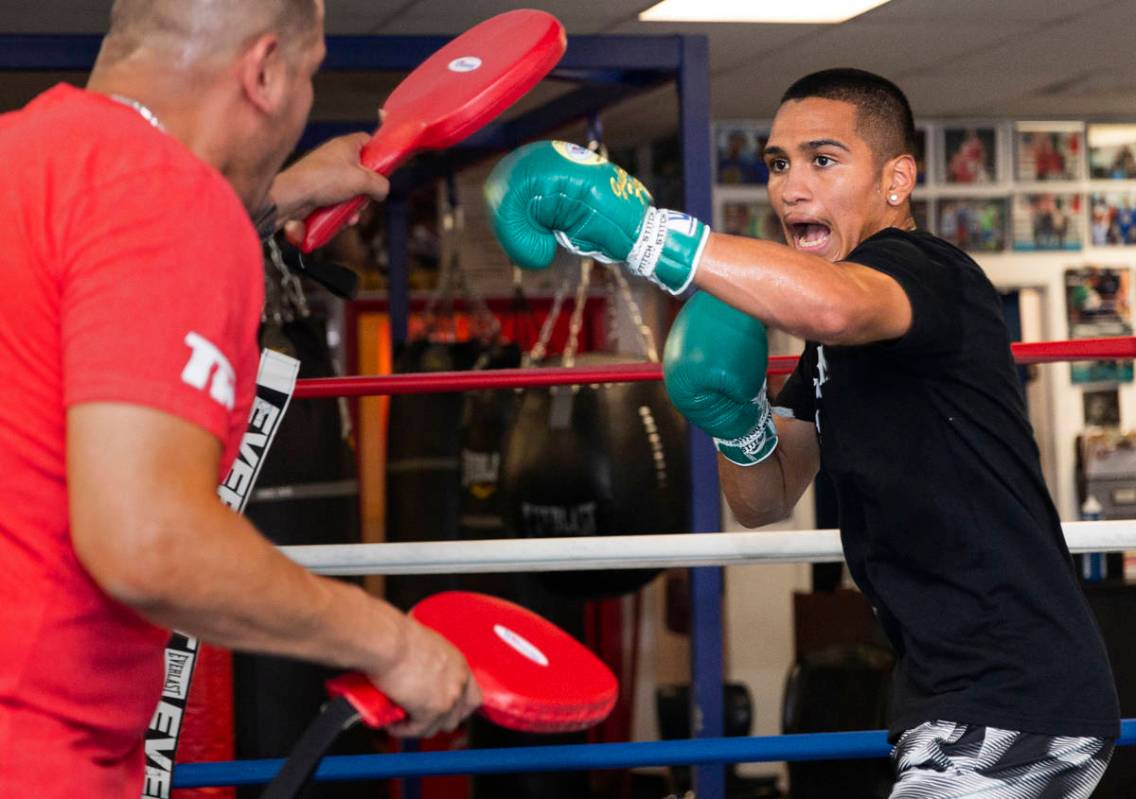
(602, 70)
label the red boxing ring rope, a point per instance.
(1086, 349)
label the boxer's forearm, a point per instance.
(803, 294)
(767, 492)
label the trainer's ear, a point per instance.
(898, 179)
(263, 72)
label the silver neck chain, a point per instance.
(142, 110)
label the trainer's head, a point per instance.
(230, 78)
(841, 160)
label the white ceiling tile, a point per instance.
(1030, 12)
(730, 44)
(445, 16)
(54, 16)
(891, 50)
(356, 96)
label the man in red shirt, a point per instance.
(128, 343)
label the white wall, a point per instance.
(758, 628)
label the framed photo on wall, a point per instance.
(1112, 218)
(970, 154)
(1098, 305)
(751, 218)
(977, 224)
(1112, 151)
(739, 147)
(1047, 222)
(1101, 408)
(1049, 150)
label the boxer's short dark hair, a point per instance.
(883, 115)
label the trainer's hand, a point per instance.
(553, 192)
(327, 175)
(714, 370)
(430, 681)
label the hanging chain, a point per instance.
(488, 325)
(577, 320)
(443, 293)
(293, 288)
(540, 349)
(646, 335)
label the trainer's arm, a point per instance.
(329, 174)
(831, 303)
(768, 491)
(148, 526)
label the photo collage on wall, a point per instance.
(1112, 152)
(740, 153)
(974, 223)
(1047, 221)
(1048, 151)
(754, 219)
(1098, 305)
(985, 186)
(970, 155)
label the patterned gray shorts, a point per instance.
(944, 760)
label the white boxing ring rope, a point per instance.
(628, 551)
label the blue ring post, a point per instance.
(705, 498)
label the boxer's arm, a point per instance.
(805, 295)
(766, 492)
(148, 526)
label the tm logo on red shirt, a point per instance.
(206, 362)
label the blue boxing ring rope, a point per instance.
(578, 757)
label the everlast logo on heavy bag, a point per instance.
(560, 520)
(479, 472)
(599, 460)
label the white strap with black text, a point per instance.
(275, 383)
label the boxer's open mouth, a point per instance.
(809, 236)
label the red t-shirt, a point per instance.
(130, 273)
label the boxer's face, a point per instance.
(825, 183)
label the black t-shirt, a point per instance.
(946, 522)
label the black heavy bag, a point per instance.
(596, 460)
(840, 688)
(487, 415)
(307, 493)
(423, 463)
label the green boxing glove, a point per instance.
(714, 370)
(553, 192)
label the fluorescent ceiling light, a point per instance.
(812, 11)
